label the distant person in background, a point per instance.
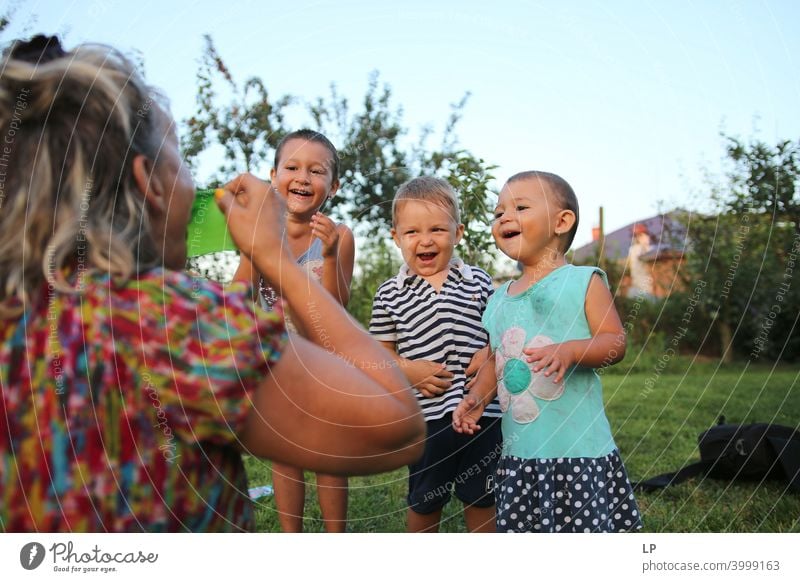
(640, 271)
(129, 389)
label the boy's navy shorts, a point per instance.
(455, 463)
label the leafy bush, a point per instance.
(376, 263)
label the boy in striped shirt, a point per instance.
(430, 316)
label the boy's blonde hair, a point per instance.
(428, 189)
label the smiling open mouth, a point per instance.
(426, 256)
(510, 234)
(304, 193)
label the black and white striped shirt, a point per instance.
(443, 327)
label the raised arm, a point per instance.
(338, 252)
(339, 406)
(316, 411)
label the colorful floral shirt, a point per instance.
(120, 405)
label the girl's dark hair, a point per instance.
(315, 136)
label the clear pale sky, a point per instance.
(624, 99)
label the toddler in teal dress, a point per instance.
(549, 331)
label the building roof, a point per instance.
(667, 232)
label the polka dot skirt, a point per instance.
(565, 495)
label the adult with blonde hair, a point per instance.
(130, 389)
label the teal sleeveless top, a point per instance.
(542, 419)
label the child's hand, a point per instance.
(325, 230)
(467, 414)
(482, 389)
(478, 360)
(430, 378)
(554, 358)
(255, 216)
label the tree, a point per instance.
(11, 12)
(378, 261)
(470, 177)
(373, 162)
(374, 165)
(765, 179)
(715, 261)
(376, 152)
(745, 251)
(247, 127)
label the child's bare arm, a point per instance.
(338, 251)
(245, 272)
(483, 388)
(478, 360)
(604, 348)
(430, 378)
(346, 430)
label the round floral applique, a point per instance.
(517, 383)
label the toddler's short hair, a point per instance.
(563, 193)
(428, 189)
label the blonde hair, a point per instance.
(69, 129)
(428, 189)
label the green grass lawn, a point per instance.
(656, 431)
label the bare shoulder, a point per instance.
(347, 243)
(597, 289)
(600, 311)
(344, 230)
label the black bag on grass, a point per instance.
(740, 452)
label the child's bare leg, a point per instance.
(480, 519)
(290, 496)
(332, 493)
(424, 522)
